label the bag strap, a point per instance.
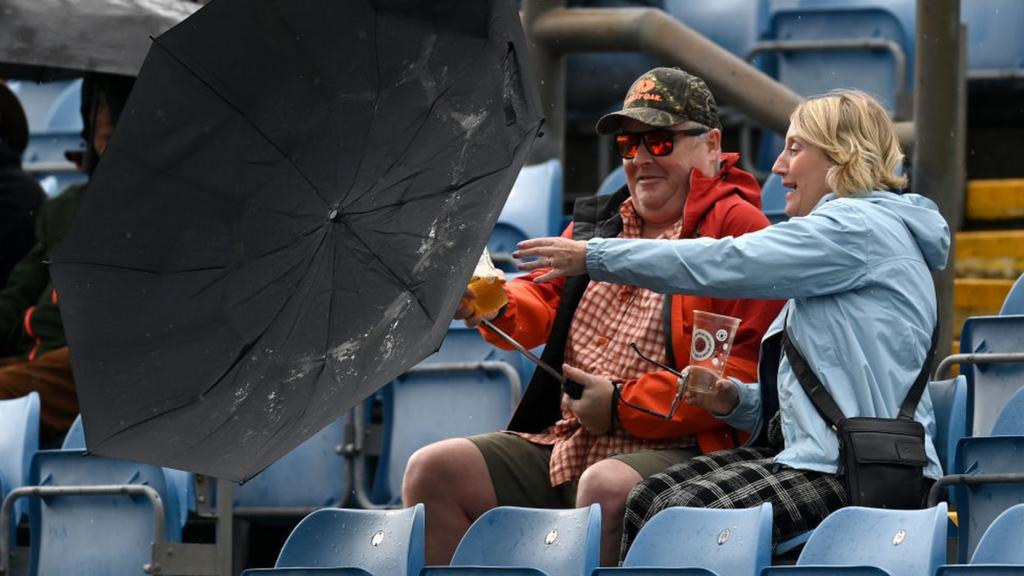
(822, 400)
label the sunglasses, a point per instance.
(657, 142)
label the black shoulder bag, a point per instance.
(881, 460)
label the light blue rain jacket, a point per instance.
(862, 305)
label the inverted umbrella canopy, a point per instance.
(285, 218)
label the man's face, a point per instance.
(659, 184)
(103, 127)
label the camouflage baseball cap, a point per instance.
(663, 97)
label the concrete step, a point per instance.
(990, 254)
(995, 199)
(977, 297)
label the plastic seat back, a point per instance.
(95, 535)
(949, 401)
(900, 542)
(722, 541)
(468, 387)
(556, 542)
(1010, 421)
(19, 442)
(612, 182)
(978, 505)
(378, 541)
(533, 209)
(995, 47)
(1014, 302)
(55, 126)
(1001, 542)
(313, 475)
(990, 386)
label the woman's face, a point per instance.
(803, 168)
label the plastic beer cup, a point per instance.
(710, 346)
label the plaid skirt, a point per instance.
(737, 478)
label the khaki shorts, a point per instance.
(520, 470)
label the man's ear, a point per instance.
(714, 140)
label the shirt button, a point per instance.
(601, 340)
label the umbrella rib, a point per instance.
(394, 276)
(195, 72)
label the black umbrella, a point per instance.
(285, 218)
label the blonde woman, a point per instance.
(854, 262)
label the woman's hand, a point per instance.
(706, 390)
(563, 256)
(594, 408)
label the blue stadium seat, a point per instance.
(612, 182)
(533, 209)
(821, 45)
(746, 21)
(467, 387)
(999, 552)
(353, 542)
(1014, 302)
(995, 47)
(179, 483)
(55, 126)
(693, 541)
(19, 441)
(989, 386)
(773, 199)
(1010, 421)
(313, 475)
(979, 504)
(536, 541)
(949, 401)
(873, 541)
(97, 534)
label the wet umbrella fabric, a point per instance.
(282, 222)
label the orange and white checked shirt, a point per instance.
(608, 319)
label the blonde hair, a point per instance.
(856, 134)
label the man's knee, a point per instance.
(442, 466)
(607, 482)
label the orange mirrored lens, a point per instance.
(659, 142)
(627, 145)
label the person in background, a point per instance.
(35, 356)
(855, 261)
(561, 452)
(20, 194)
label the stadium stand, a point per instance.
(995, 47)
(692, 541)
(1014, 302)
(999, 552)
(534, 541)
(19, 441)
(533, 209)
(873, 541)
(467, 387)
(354, 542)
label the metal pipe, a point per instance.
(971, 480)
(943, 369)
(654, 31)
(98, 490)
(550, 66)
(939, 98)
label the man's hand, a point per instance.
(466, 311)
(593, 409)
(721, 397)
(563, 256)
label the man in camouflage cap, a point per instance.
(628, 424)
(664, 97)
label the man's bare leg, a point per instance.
(450, 478)
(608, 483)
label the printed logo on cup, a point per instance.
(703, 345)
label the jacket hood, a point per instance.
(921, 217)
(706, 190)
